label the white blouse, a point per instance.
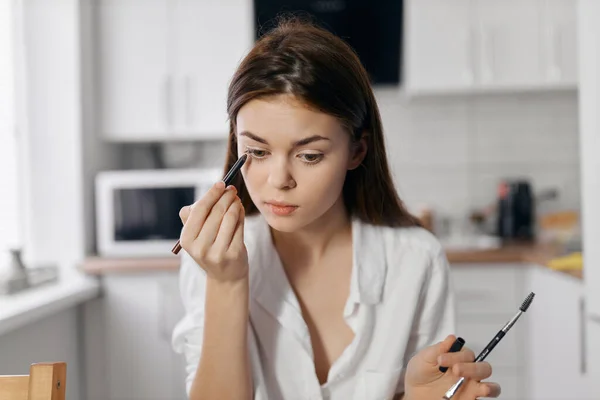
(400, 301)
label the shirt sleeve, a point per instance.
(435, 318)
(188, 333)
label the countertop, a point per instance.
(514, 253)
(71, 289)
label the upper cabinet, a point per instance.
(133, 63)
(559, 36)
(164, 66)
(438, 47)
(464, 46)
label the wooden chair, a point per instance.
(46, 381)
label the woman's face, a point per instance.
(299, 159)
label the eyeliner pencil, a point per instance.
(228, 178)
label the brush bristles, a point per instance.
(527, 302)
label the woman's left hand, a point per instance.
(424, 380)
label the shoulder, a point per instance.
(413, 254)
(415, 241)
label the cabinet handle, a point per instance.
(594, 318)
(168, 100)
(188, 100)
(582, 338)
(487, 54)
(469, 72)
(555, 57)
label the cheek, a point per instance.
(322, 183)
(255, 174)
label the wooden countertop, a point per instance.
(515, 253)
(539, 254)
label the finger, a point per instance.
(184, 213)
(199, 212)
(237, 242)
(488, 389)
(211, 227)
(466, 355)
(472, 370)
(228, 227)
(431, 353)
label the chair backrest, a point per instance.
(46, 381)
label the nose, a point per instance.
(280, 176)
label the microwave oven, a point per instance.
(137, 211)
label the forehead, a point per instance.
(285, 117)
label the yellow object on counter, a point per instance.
(573, 261)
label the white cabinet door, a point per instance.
(559, 39)
(589, 139)
(508, 42)
(211, 38)
(556, 349)
(593, 357)
(140, 361)
(135, 81)
(439, 45)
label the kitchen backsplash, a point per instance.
(449, 153)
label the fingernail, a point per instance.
(440, 359)
(220, 185)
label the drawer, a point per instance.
(478, 334)
(488, 289)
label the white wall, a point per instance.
(451, 152)
(9, 227)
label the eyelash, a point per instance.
(258, 158)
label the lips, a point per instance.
(281, 208)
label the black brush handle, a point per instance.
(483, 355)
(456, 347)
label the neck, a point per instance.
(308, 245)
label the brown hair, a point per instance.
(299, 58)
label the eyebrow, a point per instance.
(298, 143)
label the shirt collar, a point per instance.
(369, 265)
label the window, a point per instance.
(9, 210)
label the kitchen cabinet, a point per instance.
(140, 311)
(589, 139)
(439, 45)
(135, 85)
(507, 39)
(475, 46)
(559, 39)
(164, 66)
(556, 350)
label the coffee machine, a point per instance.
(516, 211)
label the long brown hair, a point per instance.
(299, 58)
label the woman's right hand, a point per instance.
(213, 234)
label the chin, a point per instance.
(287, 224)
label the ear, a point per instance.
(358, 152)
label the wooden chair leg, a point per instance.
(47, 381)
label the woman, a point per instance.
(308, 278)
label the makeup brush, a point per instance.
(488, 349)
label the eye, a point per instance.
(257, 153)
(311, 158)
